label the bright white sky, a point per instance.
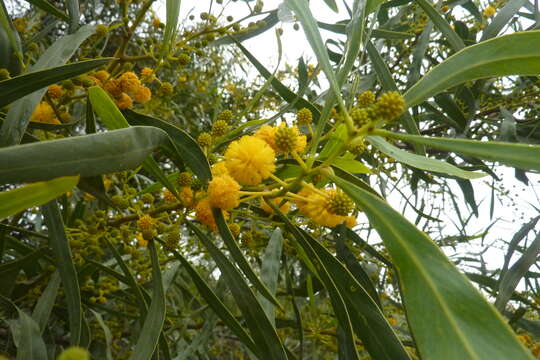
(264, 47)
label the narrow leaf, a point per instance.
(95, 154)
(60, 247)
(513, 54)
(153, 323)
(270, 271)
(421, 162)
(22, 198)
(46, 302)
(439, 300)
(522, 156)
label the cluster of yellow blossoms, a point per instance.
(127, 87)
(250, 160)
(124, 89)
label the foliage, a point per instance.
(179, 207)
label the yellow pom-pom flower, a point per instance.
(489, 11)
(44, 113)
(74, 353)
(315, 207)
(55, 91)
(288, 139)
(219, 168)
(186, 194)
(129, 82)
(223, 192)
(142, 94)
(250, 160)
(203, 213)
(268, 134)
(124, 101)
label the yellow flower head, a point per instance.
(203, 213)
(146, 222)
(250, 160)
(129, 82)
(124, 101)
(112, 86)
(283, 208)
(169, 196)
(288, 139)
(44, 113)
(315, 207)
(223, 192)
(142, 94)
(219, 168)
(267, 133)
(186, 194)
(489, 11)
(55, 91)
(102, 75)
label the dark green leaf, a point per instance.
(60, 247)
(22, 198)
(153, 323)
(438, 299)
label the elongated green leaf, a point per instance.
(105, 107)
(421, 162)
(172, 9)
(513, 54)
(13, 201)
(46, 301)
(501, 19)
(240, 259)
(19, 86)
(30, 345)
(444, 27)
(372, 5)
(375, 33)
(263, 333)
(106, 333)
(217, 305)
(10, 43)
(521, 156)
(270, 271)
(512, 277)
(332, 5)
(187, 147)
(439, 300)
(153, 323)
(74, 15)
(19, 114)
(49, 8)
(86, 155)
(345, 255)
(60, 246)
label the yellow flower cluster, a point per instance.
(250, 160)
(317, 205)
(44, 113)
(282, 138)
(126, 88)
